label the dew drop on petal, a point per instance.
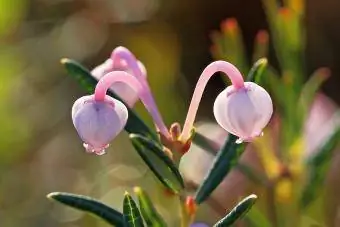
(100, 152)
(88, 148)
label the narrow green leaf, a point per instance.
(89, 205)
(261, 45)
(206, 144)
(149, 212)
(257, 70)
(225, 160)
(311, 87)
(158, 162)
(237, 212)
(131, 212)
(318, 166)
(228, 45)
(87, 81)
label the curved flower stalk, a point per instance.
(243, 108)
(121, 56)
(99, 118)
(122, 60)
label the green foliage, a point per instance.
(225, 160)
(134, 124)
(318, 165)
(228, 44)
(159, 163)
(256, 218)
(89, 205)
(237, 212)
(150, 214)
(206, 144)
(312, 86)
(257, 70)
(131, 212)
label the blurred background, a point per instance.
(40, 151)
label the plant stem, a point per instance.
(271, 206)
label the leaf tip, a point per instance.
(253, 197)
(262, 61)
(324, 72)
(132, 135)
(262, 36)
(52, 195)
(63, 61)
(137, 190)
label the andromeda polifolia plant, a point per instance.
(243, 109)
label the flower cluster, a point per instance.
(242, 109)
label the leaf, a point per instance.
(237, 212)
(261, 45)
(207, 145)
(158, 162)
(311, 87)
(89, 205)
(257, 70)
(150, 214)
(131, 212)
(225, 160)
(234, 50)
(87, 81)
(318, 165)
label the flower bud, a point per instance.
(243, 112)
(121, 89)
(98, 122)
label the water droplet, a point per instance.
(239, 141)
(100, 152)
(88, 148)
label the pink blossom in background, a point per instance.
(196, 163)
(121, 89)
(322, 121)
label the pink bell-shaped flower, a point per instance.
(98, 122)
(99, 118)
(243, 108)
(245, 111)
(122, 60)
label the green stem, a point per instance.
(272, 211)
(186, 218)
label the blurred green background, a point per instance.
(40, 151)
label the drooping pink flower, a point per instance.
(320, 124)
(99, 118)
(243, 112)
(243, 108)
(97, 122)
